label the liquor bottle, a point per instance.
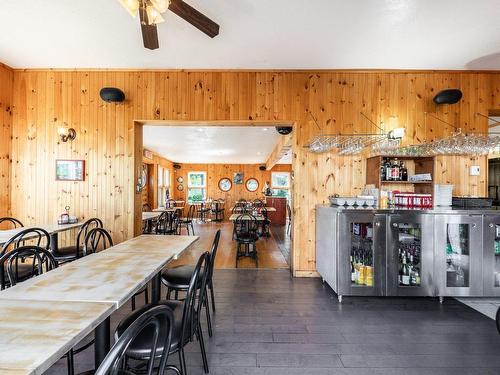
(383, 176)
(403, 172)
(353, 271)
(388, 170)
(395, 170)
(405, 279)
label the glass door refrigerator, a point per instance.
(458, 258)
(362, 254)
(410, 255)
(491, 255)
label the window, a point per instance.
(280, 184)
(163, 185)
(197, 186)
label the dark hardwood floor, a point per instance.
(268, 323)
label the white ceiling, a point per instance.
(213, 144)
(257, 34)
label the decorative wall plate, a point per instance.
(180, 187)
(180, 179)
(252, 184)
(225, 184)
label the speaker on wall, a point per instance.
(448, 96)
(177, 166)
(284, 130)
(262, 167)
(112, 95)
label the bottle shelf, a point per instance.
(407, 182)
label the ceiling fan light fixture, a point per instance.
(154, 16)
(132, 6)
(161, 5)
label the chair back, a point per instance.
(83, 231)
(213, 254)
(12, 221)
(258, 203)
(40, 260)
(170, 203)
(245, 223)
(191, 212)
(97, 239)
(263, 212)
(159, 320)
(146, 207)
(37, 236)
(168, 223)
(195, 298)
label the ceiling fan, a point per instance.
(150, 14)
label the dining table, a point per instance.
(168, 209)
(86, 292)
(52, 229)
(268, 209)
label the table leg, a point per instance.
(54, 239)
(102, 341)
(156, 288)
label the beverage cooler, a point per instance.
(362, 254)
(371, 252)
(410, 258)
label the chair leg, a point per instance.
(176, 295)
(71, 362)
(199, 335)
(181, 362)
(169, 291)
(209, 320)
(192, 228)
(212, 296)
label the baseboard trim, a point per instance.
(306, 274)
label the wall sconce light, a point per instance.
(66, 134)
(397, 133)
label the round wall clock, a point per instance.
(180, 187)
(225, 184)
(252, 184)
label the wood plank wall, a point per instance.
(150, 193)
(105, 139)
(217, 171)
(6, 82)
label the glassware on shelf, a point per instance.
(361, 254)
(457, 255)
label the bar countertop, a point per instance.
(401, 210)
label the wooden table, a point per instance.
(110, 277)
(35, 335)
(150, 215)
(268, 209)
(169, 209)
(233, 217)
(52, 229)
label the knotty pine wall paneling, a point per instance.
(6, 82)
(107, 135)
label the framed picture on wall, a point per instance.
(238, 178)
(70, 170)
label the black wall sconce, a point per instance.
(66, 134)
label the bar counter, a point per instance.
(438, 252)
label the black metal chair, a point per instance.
(186, 321)
(188, 220)
(170, 203)
(168, 223)
(246, 227)
(202, 211)
(40, 260)
(265, 223)
(12, 221)
(156, 325)
(258, 203)
(497, 320)
(217, 210)
(70, 253)
(289, 218)
(177, 279)
(36, 237)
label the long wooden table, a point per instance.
(52, 229)
(268, 209)
(107, 278)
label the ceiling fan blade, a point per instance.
(149, 32)
(195, 18)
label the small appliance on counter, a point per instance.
(442, 194)
(65, 218)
